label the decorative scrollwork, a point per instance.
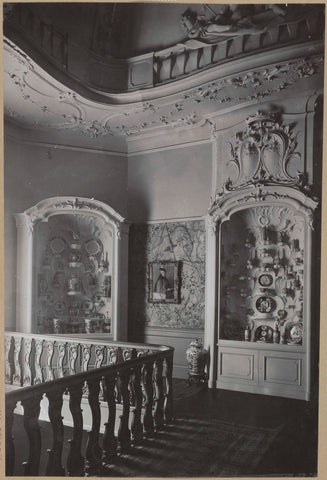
(263, 152)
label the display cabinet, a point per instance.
(260, 233)
(73, 254)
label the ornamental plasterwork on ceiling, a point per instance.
(34, 99)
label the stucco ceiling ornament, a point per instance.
(256, 84)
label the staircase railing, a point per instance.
(135, 374)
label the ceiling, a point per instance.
(49, 111)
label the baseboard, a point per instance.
(179, 339)
(180, 371)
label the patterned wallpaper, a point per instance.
(184, 241)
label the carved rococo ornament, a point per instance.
(74, 205)
(262, 153)
(281, 195)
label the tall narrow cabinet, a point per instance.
(261, 230)
(72, 265)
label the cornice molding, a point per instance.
(46, 104)
(22, 141)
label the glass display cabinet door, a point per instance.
(262, 276)
(72, 268)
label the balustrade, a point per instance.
(56, 366)
(159, 67)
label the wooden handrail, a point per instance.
(137, 374)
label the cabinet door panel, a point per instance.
(282, 369)
(237, 366)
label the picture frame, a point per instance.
(164, 279)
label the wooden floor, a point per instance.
(292, 453)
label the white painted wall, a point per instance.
(174, 183)
(33, 173)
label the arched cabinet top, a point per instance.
(225, 205)
(49, 207)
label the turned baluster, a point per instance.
(93, 450)
(148, 390)
(75, 461)
(159, 397)
(109, 439)
(86, 355)
(38, 378)
(168, 405)
(61, 355)
(32, 428)
(72, 357)
(54, 466)
(27, 372)
(112, 355)
(99, 357)
(124, 436)
(49, 345)
(8, 365)
(136, 427)
(17, 377)
(10, 448)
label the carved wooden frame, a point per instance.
(220, 212)
(45, 209)
(176, 281)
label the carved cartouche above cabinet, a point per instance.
(260, 231)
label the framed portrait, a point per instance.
(164, 282)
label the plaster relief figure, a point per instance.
(232, 20)
(227, 23)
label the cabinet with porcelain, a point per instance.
(261, 233)
(76, 268)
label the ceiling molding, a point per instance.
(57, 146)
(35, 100)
